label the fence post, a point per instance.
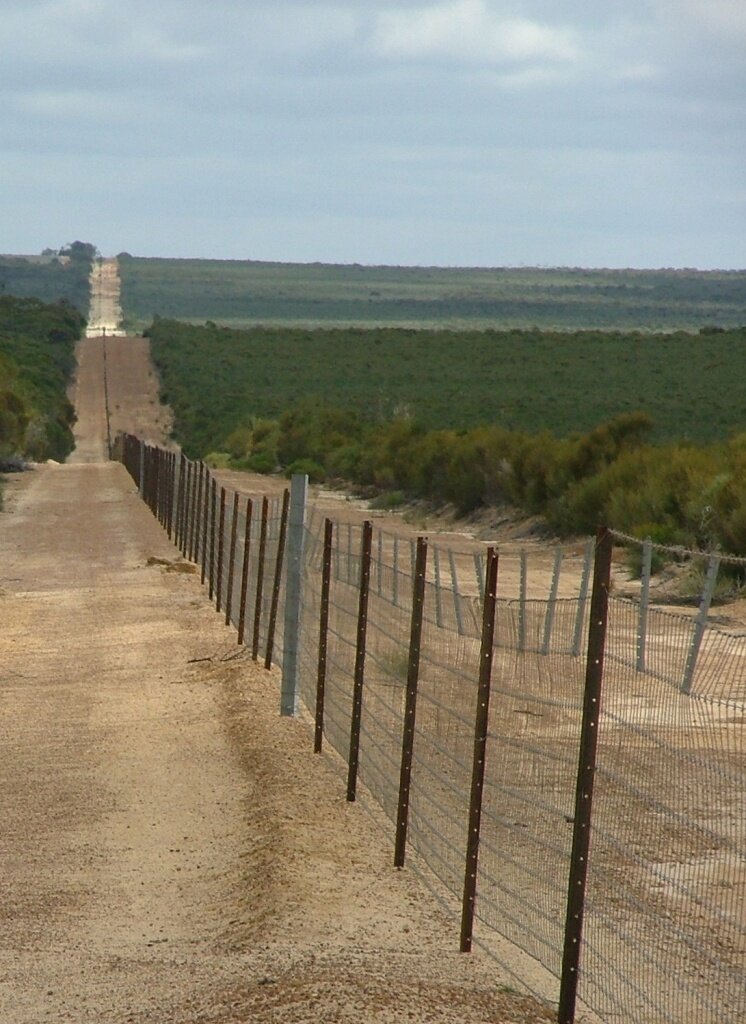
(221, 553)
(410, 707)
(700, 625)
(231, 560)
(456, 594)
(438, 594)
(581, 835)
(141, 462)
(245, 571)
(481, 724)
(260, 578)
(583, 597)
(552, 605)
(181, 520)
(213, 511)
(205, 524)
(277, 580)
(642, 629)
(290, 690)
(522, 602)
(326, 576)
(479, 573)
(362, 629)
(395, 578)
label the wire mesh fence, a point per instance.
(663, 914)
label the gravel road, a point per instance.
(171, 850)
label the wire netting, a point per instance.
(665, 913)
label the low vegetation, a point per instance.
(582, 428)
(243, 292)
(52, 277)
(37, 343)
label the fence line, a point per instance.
(640, 910)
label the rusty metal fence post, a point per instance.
(581, 835)
(326, 576)
(410, 707)
(245, 572)
(231, 560)
(221, 553)
(205, 524)
(359, 679)
(277, 582)
(213, 516)
(481, 726)
(260, 579)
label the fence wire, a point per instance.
(665, 914)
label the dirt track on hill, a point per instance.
(171, 850)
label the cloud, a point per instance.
(469, 31)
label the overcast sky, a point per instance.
(454, 132)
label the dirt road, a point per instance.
(105, 313)
(171, 850)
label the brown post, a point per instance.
(410, 707)
(181, 503)
(197, 512)
(245, 572)
(231, 560)
(178, 504)
(205, 522)
(277, 580)
(158, 486)
(221, 553)
(260, 579)
(481, 726)
(326, 577)
(188, 507)
(213, 513)
(362, 629)
(581, 835)
(186, 467)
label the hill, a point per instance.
(240, 293)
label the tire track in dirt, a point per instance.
(171, 849)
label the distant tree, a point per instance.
(83, 252)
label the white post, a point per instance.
(290, 693)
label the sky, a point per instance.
(599, 133)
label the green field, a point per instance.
(239, 293)
(643, 432)
(694, 386)
(50, 278)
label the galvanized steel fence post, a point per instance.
(290, 691)
(713, 567)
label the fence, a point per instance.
(489, 722)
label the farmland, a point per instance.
(692, 385)
(244, 292)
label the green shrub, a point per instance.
(310, 467)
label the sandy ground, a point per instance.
(171, 850)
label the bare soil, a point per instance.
(172, 851)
